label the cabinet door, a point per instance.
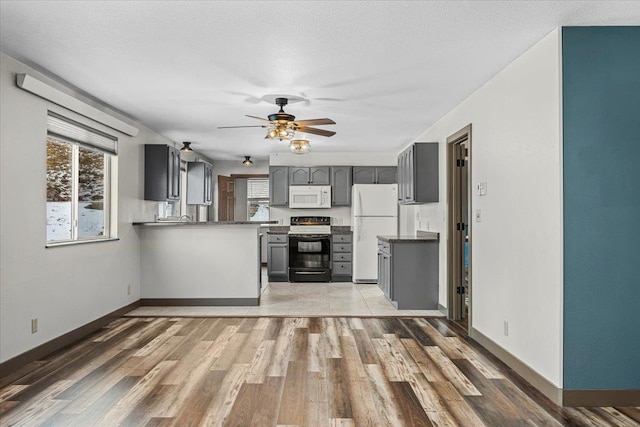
(386, 274)
(279, 186)
(341, 185)
(319, 176)
(175, 187)
(364, 175)
(386, 175)
(208, 177)
(299, 176)
(401, 177)
(410, 179)
(277, 260)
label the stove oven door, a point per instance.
(309, 258)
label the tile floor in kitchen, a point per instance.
(302, 299)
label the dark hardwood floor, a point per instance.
(282, 371)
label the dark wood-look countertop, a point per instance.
(425, 236)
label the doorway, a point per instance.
(459, 226)
(226, 198)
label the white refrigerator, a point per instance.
(374, 211)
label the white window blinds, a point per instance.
(258, 188)
(77, 132)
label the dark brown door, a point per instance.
(226, 198)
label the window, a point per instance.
(79, 172)
(258, 199)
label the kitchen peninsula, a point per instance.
(199, 263)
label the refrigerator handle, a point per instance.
(359, 229)
(359, 210)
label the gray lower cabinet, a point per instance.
(278, 186)
(309, 175)
(199, 188)
(408, 273)
(418, 174)
(341, 253)
(340, 185)
(278, 257)
(374, 175)
(161, 173)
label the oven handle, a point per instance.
(309, 273)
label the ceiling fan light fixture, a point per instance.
(299, 146)
(186, 147)
(247, 161)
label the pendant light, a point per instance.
(299, 146)
(247, 161)
(186, 147)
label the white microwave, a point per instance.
(310, 196)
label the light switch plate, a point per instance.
(478, 215)
(482, 189)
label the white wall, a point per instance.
(339, 215)
(64, 287)
(517, 248)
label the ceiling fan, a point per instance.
(282, 125)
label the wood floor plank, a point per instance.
(413, 413)
(332, 338)
(124, 406)
(424, 363)
(260, 363)
(282, 372)
(452, 373)
(631, 412)
(316, 404)
(223, 400)
(493, 407)
(383, 397)
(93, 410)
(244, 407)
(614, 417)
(268, 403)
(197, 399)
(365, 349)
(338, 393)
(292, 404)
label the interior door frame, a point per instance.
(454, 249)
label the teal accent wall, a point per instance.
(601, 161)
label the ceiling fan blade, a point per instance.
(313, 122)
(235, 127)
(314, 131)
(256, 117)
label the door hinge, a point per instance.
(460, 226)
(461, 290)
(461, 163)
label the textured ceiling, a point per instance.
(384, 71)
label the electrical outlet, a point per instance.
(426, 227)
(129, 289)
(34, 326)
(506, 328)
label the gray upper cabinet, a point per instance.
(199, 188)
(341, 185)
(161, 172)
(386, 175)
(309, 176)
(418, 174)
(374, 175)
(278, 186)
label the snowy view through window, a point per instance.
(60, 191)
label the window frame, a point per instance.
(109, 182)
(258, 199)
